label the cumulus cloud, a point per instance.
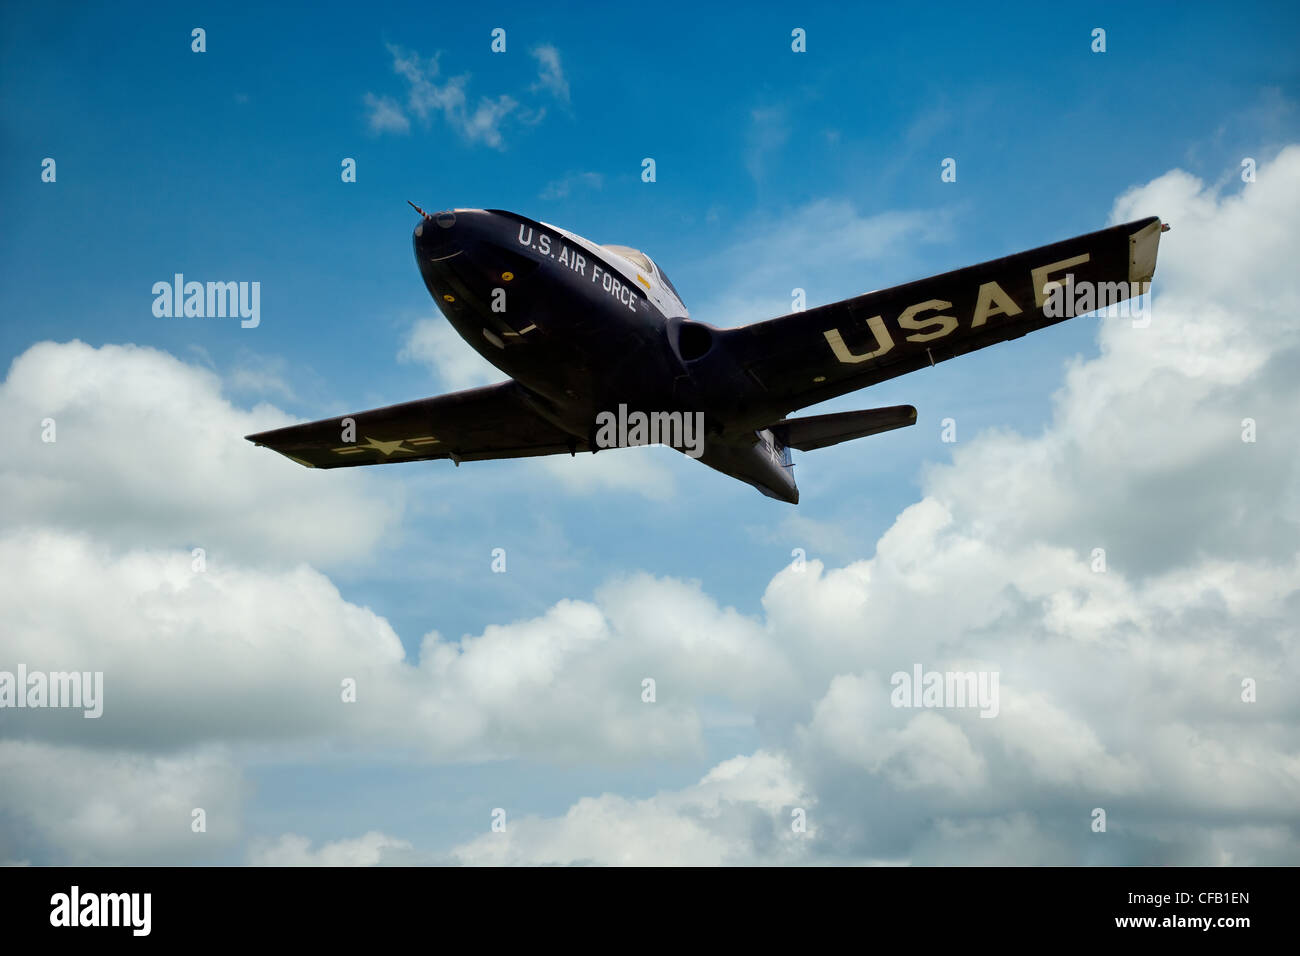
(642, 470)
(290, 849)
(1120, 689)
(258, 375)
(95, 806)
(434, 344)
(223, 653)
(147, 451)
(741, 812)
(231, 655)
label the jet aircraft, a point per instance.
(586, 331)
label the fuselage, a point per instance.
(601, 352)
(585, 329)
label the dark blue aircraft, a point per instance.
(602, 353)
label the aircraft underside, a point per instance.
(594, 336)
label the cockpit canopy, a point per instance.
(643, 262)
(635, 256)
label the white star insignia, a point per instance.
(386, 448)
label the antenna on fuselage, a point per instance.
(419, 210)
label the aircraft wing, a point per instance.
(494, 421)
(808, 357)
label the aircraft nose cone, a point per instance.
(437, 234)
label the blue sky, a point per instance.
(225, 165)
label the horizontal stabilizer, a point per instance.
(821, 431)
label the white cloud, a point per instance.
(254, 374)
(436, 345)
(293, 850)
(426, 97)
(550, 74)
(739, 813)
(924, 752)
(560, 188)
(225, 654)
(485, 122)
(817, 247)
(94, 806)
(1119, 690)
(148, 451)
(430, 95)
(233, 655)
(642, 470)
(384, 115)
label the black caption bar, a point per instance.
(332, 905)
